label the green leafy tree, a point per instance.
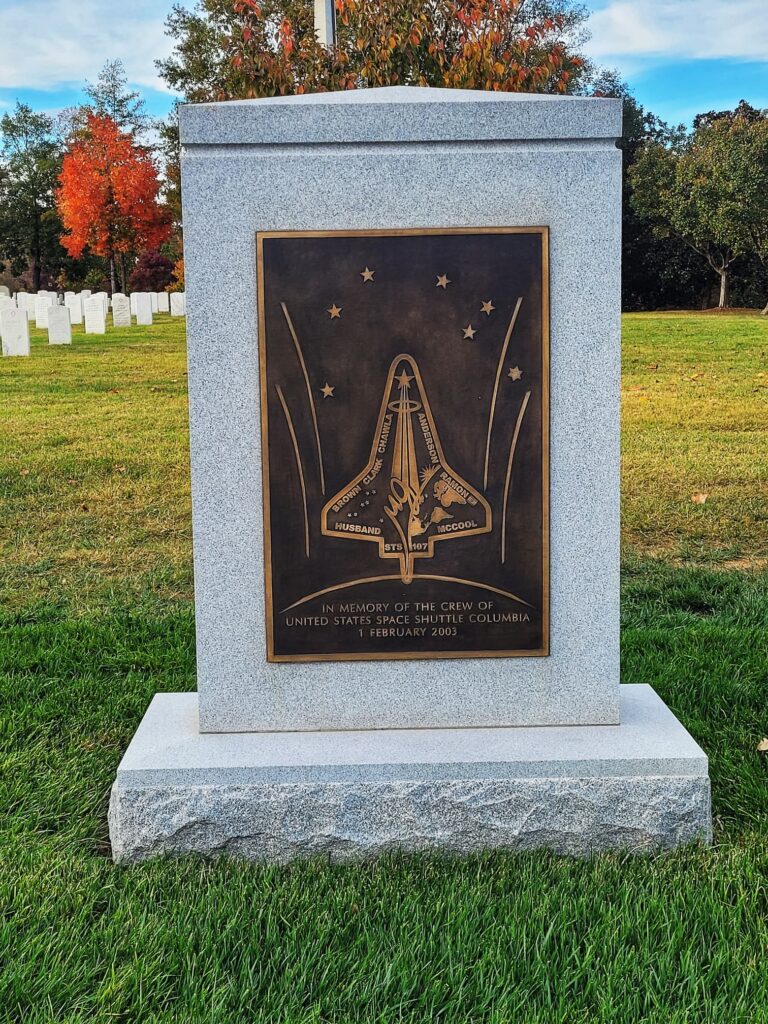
(30, 161)
(111, 97)
(738, 146)
(170, 156)
(656, 272)
(708, 189)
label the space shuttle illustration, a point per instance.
(408, 497)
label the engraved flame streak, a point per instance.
(295, 443)
(502, 357)
(312, 409)
(508, 480)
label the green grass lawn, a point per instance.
(96, 615)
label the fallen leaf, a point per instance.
(72, 481)
(698, 498)
(653, 366)
(113, 391)
(696, 376)
(24, 472)
(762, 746)
(119, 469)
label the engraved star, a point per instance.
(335, 312)
(515, 373)
(488, 307)
(403, 380)
(327, 390)
(367, 275)
(470, 332)
(442, 281)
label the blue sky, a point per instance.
(680, 57)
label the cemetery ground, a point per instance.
(96, 598)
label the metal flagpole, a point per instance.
(325, 22)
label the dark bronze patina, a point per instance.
(404, 396)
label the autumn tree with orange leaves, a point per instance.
(235, 49)
(108, 196)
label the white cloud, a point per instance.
(682, 29)
(46, 44)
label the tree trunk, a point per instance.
(723, 289)
(112, 288)
(765, 311)
(34, 267)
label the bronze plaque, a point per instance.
(404, 391)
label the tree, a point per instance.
(110, 97)
(108, 193)
(152, 273)
(656, 272)
(738, 148)
(30, 160)
(228, 49)
(708, 189)
(177, 284)
(170, 154)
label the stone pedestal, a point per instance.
(279, 758)
(639, 786)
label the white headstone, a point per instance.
(94, 315)
(178, 304)
(121, 311)
(14, 330)
(5, 290)
(59, 326)
(163, 304)
(143, 308)
(6, 302)
(74, 304)
(133, 303)
(42, 306)
(153, 300)
(85, 294)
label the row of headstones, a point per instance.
(19, 310)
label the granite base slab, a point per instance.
(642, 785)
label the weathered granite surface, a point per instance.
(403, 158)
(351, 795)
(399, 114)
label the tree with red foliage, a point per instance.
(107, 198)
(462, 44)
(237, 49)
(153, 273)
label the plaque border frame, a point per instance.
(543, 232)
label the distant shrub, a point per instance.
(153, 273)
(177, 285)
